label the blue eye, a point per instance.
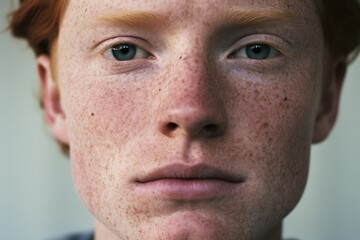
(256, 52)
(123, 52)
(126, 52)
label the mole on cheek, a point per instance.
(285, 102)
(286, 99)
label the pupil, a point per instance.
(256, 49)
(124, 49)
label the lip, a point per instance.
(188, 182)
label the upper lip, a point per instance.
(189, 172)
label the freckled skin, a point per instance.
(116, 121)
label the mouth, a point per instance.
(188, 182)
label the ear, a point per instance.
(53, 111)
(329, 105)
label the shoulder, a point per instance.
(78, 236)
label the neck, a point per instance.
(102, 232)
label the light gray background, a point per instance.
(37, 199)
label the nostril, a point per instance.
(192, 127)
(211, 128)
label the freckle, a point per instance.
(159, 89)
(92, 114)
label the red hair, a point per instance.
(38, 21)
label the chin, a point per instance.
(194, 225)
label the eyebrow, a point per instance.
(131, 19)
(159, 21)
(236, 16)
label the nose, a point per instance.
(193, 106)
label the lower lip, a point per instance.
(192, 189)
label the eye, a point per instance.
(256, 51)
(126, 52)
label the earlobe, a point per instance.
(53, 111)
(329, 105)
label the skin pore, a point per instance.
(231, 103)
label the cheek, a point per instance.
(272, 119)
(86, 119)
(109, 122)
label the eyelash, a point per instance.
(244, 52)
(141, 52)
(281, 50)
(133, 50)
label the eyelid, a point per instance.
(278, 43)
(241, 52)
(106, 45)
(140, 53)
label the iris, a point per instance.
(258, 51)
(124, 52)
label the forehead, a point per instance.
(181, 11)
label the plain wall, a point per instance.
(37, 199)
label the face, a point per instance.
(188, 119)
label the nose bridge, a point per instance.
(192, 66)
(193, 108)
(194, 78)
